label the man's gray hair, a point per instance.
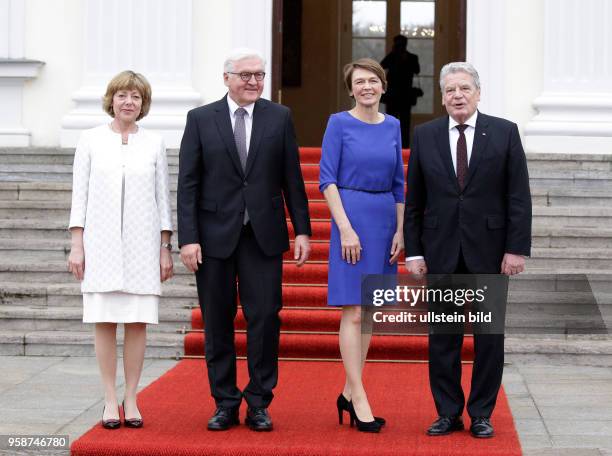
(240, 54)
(459, 67)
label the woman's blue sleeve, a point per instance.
(330, 153)
(398, 178)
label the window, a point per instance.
(369, 29)
(418, 25)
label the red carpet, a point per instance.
(304, 337)
(177, 406)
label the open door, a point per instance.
(318, 37)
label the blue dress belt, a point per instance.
(363, 189)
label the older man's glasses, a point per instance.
(246, 76)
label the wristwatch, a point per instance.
(166, 245)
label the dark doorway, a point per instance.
(313, 39)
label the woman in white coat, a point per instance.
(121, 227)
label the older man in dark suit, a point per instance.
(238, 166)
(468, 211)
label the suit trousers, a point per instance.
(257, 279)
(445, 370)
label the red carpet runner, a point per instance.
(177, 406)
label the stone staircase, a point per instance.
(40, 303)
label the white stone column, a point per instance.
(152, 37)
(485, 50)
(252, 28)
(575, 107)
(15, 69)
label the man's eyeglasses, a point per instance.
(246, 77)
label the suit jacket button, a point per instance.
(460, 197)
(245, 184)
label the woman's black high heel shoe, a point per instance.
(363, 426)
(131, 422)
(112, 423)
(343, 404)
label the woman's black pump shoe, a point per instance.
(343, 404)
(363, 426)
(131, 422)
(112, 423)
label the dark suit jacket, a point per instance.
(490, 217)
(213, 190)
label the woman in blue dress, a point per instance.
(362, 179)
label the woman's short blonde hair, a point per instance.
(128, 80)
(364, 64)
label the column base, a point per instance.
(13, 74)
(569, 144)
(17, 137)
(571, 123)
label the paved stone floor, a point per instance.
(559, 410)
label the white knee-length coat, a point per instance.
(121, 244)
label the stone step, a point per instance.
(556, 288)
(557, 217)
(579, 179)
(565, 162)
(536, 159)
(585, 257)
(554, 259)
(53, 230)
(596, 167)
(61, 191)
(571, 197)
(593, 238)
(34, 318)
(175, 298)
(37, 156)
(590, 316)
(80, 343)
(552, 349)
(579, 217)
(163, 345)
(534, 318)
(40, 266)
(53, 156)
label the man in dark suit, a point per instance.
(399, 98)
(238, 166)
(468, 211)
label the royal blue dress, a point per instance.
(365, 162)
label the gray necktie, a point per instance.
(241, 145)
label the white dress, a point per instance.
(121, 199)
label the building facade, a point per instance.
(544, 64)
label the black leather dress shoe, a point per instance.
(258, 419)
(481, 428)
(223, 419)
(444, 425)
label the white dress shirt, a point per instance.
(248, 118)
(453, 136)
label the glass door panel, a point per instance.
(417, 22)
(369, 29)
